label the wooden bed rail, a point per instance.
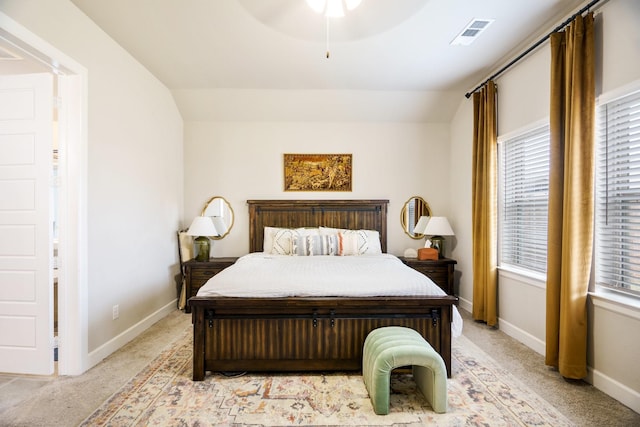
(306, 334)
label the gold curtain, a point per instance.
(484, 199)
(571, 187)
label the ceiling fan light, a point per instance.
(334, 9)
(352, 4)
(316, 5)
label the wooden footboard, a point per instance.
(306, 334)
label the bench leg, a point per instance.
(379, 393)
(433, 385)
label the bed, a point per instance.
(309, 333)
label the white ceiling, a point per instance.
(201, 49)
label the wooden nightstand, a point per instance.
(198, 272)
(440, 271)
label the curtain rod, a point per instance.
(538, 43)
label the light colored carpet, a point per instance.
(163, 394)
(67, 401)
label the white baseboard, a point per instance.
(536, 344)
(509, 329)
(513, 331)
(607, 385)
(465, 304)
(97, 355)
(615, 389)
(602, 382)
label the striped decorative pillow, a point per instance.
(315, 245)
(368, 240)
(282, 240)
(348, 244)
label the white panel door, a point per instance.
(26, 274)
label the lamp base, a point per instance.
(203, 248)
(437, 242)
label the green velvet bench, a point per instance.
(392, 347)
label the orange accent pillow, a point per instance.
(427, 253)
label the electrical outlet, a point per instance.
(116, 311)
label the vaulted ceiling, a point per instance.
(396, 52)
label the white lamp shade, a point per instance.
(202, 226)
(438, 226)
(421, 225)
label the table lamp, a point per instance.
(202, 226)
(436, 227)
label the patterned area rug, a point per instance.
(480, 394)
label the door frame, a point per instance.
(73, 231)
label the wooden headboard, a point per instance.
(349, 214)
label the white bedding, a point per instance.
(262, 275)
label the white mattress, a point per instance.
(262, 275)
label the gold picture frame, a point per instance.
(317, 172)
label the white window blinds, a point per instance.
(617, 245)
(524, 194)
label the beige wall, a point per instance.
(133, 175)
(460, 199)
(244, 160)
(614, 340)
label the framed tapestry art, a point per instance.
(317, 172)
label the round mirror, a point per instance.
(411, 212)
(221, 213)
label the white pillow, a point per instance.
(267, 238)
(373, 236)
(283, 241)
(270, 234)
(368, 240)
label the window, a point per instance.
(523, 194)
(617, 244)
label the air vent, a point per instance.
(7, 55)
(471, 31)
